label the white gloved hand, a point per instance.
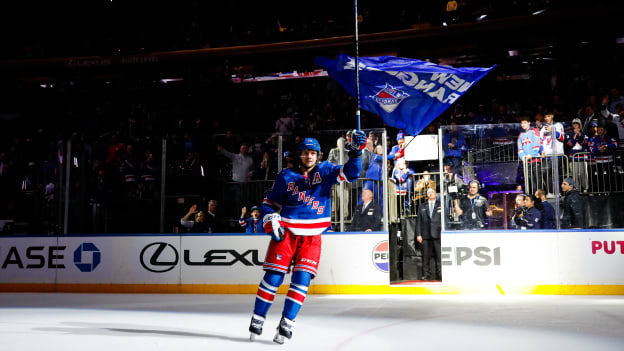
(272, 226)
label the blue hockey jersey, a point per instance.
(251, 225)
(529, 143)
(304, 202)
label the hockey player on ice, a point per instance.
(295, 213)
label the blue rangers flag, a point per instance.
(408, 94)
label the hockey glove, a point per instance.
(357, 144)
(272, 226)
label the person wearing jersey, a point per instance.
(529, 150)
(295, 212)
(398, 150)
(552, 137)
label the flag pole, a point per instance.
(357, 68)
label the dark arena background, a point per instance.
(120, 120)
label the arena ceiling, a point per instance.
(581, 34)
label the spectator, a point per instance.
(252, 224)
(454, 144)
(577, 146)
(615, 99)
(531, 217)
(422, 185)
(451, 183)
(367, 216)
(428, 229)
(602, 147)
(458, 116)
(372, 138)
(367, 155)
(374, 174)
(285, 124)
(590, 117)
(242, 163)
(289, 160)
(402, 176)
(548, 212)
(257, 149)
(451, 178)
(519, 209)
(529, 148)
(334, 154)
(552, 137)
(482, 116)
(398, 151)
(213, 219)
(571, 207)
(474, 208)
(242, 170)
(617, 121)
(266, 169)
(198, 224)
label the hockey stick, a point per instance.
(357, 68)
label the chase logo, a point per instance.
(380, 256)
(87, 257)
(389, 97)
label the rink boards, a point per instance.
(503, 262)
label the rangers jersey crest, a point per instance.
(304, 202)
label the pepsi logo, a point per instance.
(381, 257)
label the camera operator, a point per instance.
(531, 217)
(454, 189)
(519, 211)
(473, 208)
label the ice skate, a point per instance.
(255, 327)
(284, 330)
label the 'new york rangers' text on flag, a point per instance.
(408, 94)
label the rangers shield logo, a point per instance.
(389, 97)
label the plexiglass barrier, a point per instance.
(159, 185)
(112, 185)
(578, 179)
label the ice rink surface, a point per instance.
(137, 322)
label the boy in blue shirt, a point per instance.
(252, 224)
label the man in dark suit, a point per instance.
(367, 216)
(428, 228)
